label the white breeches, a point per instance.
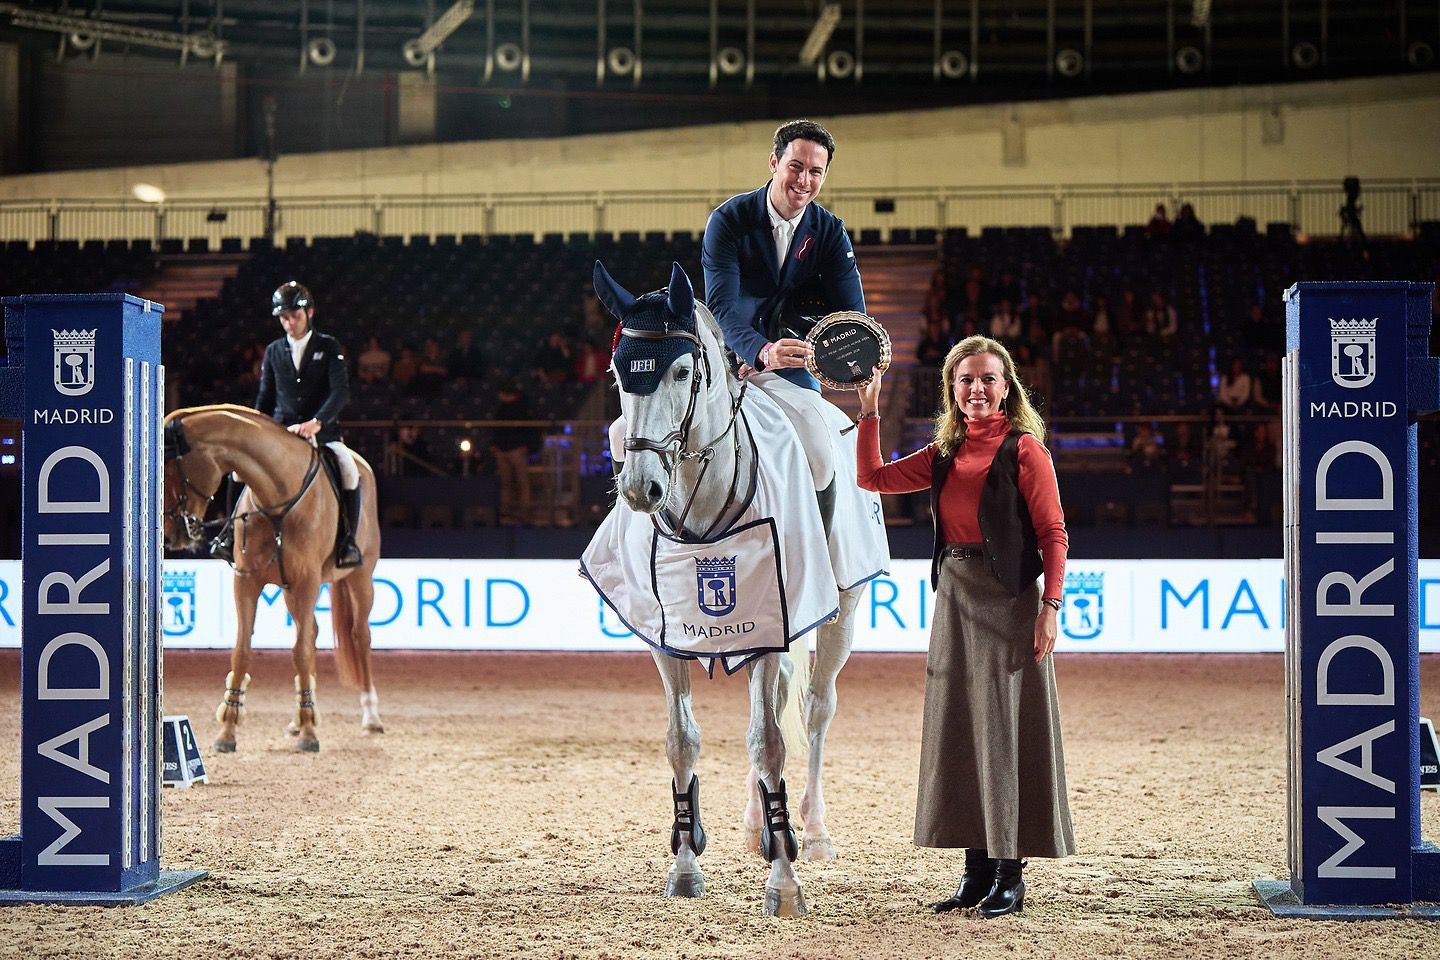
(345, 460)
(807, 411)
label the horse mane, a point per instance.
(704, 317)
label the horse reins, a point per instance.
(679, 438)
(177, 446)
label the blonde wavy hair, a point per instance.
(950, 421)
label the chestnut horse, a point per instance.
(285, 526)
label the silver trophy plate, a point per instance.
(845, 347)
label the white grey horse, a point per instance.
(689, 463)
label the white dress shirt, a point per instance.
(784, 231)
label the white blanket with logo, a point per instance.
(760, 585)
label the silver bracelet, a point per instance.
(1052, 603)
(868, 416)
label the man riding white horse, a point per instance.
(770, 255)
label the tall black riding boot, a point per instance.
(348, 554)
(1008, 893)
(975, 883)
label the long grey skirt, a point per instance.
(992, 767)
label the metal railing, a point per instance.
(1392, 207)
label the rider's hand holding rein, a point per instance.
(307, 429)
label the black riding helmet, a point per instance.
(290, 296)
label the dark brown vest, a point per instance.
(1011, 551)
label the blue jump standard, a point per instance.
(168, 882)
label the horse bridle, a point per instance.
(177, 446)
(680, 436)
(673, 447)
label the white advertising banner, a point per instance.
(1130, 606)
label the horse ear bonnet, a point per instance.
(639, 363)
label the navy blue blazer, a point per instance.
(745, 289)
(319, 389)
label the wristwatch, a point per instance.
(1051, 602)
(765, 355)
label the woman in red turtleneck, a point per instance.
(992, 767)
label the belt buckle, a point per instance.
(963, 553)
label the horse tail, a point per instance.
(342, 619)
(792, 711)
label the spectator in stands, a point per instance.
(934, 344)
(1219, 444)
(1037, 316)
(1034, 370)
(1005, 288)
(1236, 389)
(591, 361)
(1159, 226)
(1145, 449)
(1100, 316)
(937, 295)
(1259, 458)
(1072, 324)
(1187, 227)
(465, 361)
(252, 360)
(430, 372)
(413, 452)
(1183, 447)
(403, 371)
(1160, 316)
(970, 307)
(595, 325)
(1005, 324)
(1266, 396)
(374, 363)
(554, 359)
(1261, 331)
(512, 445)
(1129, 319)
(930, 356)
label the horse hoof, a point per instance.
(224, 746)
(817, 848)
(752, 841)
(307, 746)
(785, 903)
(690, 884)
(370, 728)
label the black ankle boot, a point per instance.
(348, 554)
(975, 883)
(1008, 893)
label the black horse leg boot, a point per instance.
(349, 554)
(1008, 893)
(975, 883)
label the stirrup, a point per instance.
(223, 547)
(777, 823)
(688, 819)
(349, 555)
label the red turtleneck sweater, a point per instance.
(960, 496)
